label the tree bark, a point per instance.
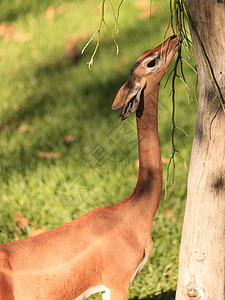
(202, 252)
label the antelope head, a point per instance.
(148, 69)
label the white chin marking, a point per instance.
(100, 288)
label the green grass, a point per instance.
(53, 97)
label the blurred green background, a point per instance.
(63, 151)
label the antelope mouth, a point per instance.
(178, 45)
(172, 46)
(132, 105)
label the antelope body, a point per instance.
(103, 250)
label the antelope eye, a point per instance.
(152, 63)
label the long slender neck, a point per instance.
(149, 185)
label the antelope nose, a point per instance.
(173, 37)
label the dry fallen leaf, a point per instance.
(33, 232)
(168, 213)
(62, 8)
(50, 14)
(168, 273)
(68, 138)
(145, 8)
(165, 160)
(16, 107)
(6, 31)
(22, 222)
(48, 155)
(9, 34)
(72, 51)
(22, 37)
(25, 128)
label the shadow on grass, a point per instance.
(170, 295)
(87, 104)
(59, 85)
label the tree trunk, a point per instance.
(202, 253)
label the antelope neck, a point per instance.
(149, 184)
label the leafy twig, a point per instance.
(173, 125)
(193, 69)
(118, 11)
(98, 31)
(178, 18)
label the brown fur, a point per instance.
(106, 245)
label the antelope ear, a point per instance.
(121, 96)
(128, 97)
